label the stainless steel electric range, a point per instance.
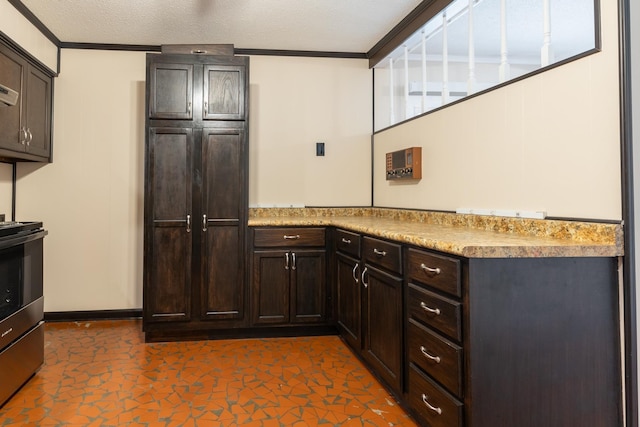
(21, 304)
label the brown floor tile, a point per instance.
(103, 374)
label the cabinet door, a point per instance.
(38, 113)
(383, 325)
(224, 92)
(271, 286)
(12, 68)
(348, 295)
(308, 284)
(169, 225)
(170, 91)
(222, 262)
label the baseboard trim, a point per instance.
(71, 316)
(248, 332)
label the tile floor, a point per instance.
(103, 374)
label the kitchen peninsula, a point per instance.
(473, 320)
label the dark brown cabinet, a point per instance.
(168, 225)
(222, 90)
(348, 296)
(369, 302)
(479, 330)
(382, 309)
(195, 201)
(26, 126)
(348, 286)
(289, 276)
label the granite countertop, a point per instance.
(470, 236)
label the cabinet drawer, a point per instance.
(438, 271)
(432, 403)
(437, 356)
(382, 253)
(348, 242)
(288, 237)
(436, 311)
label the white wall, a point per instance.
(550, 143)
(91, 197)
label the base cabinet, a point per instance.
(512, 342)
(483, 342)
(369, 302)
(349, 296)
(289, 279)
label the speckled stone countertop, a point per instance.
(471, 236)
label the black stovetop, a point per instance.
(12, 228)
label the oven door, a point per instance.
(20, 273)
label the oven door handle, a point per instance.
(11, 241)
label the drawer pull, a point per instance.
(379, 253)
(425, 307)
(353, 273)
(430, 406)
(429, 270)
(188, 223)
(428, 356)
(347, 241)
(291, 236)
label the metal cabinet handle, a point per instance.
(434, 271)
(291, 237)
(293, 260)
(188, 223)
(425, 307)
(353, 273)
(204, 222)
(347, 241)
(286, 261)
(206, 108)
(366, 285)
(379, 253)
(30, 136)
(23, 141)
(428, 356)
(433, 408)
(189, 108)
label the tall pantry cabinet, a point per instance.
(196, 203)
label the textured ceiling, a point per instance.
(317, 25)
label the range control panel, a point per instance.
(405, 164)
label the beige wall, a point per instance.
(296, 102)
(18, 28)
(5, 189)
(91, 197)
(548, 143)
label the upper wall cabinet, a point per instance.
(25, 133)
(224, 92)
(171, 91)
(175, 89)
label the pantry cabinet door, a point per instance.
(170, 225)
